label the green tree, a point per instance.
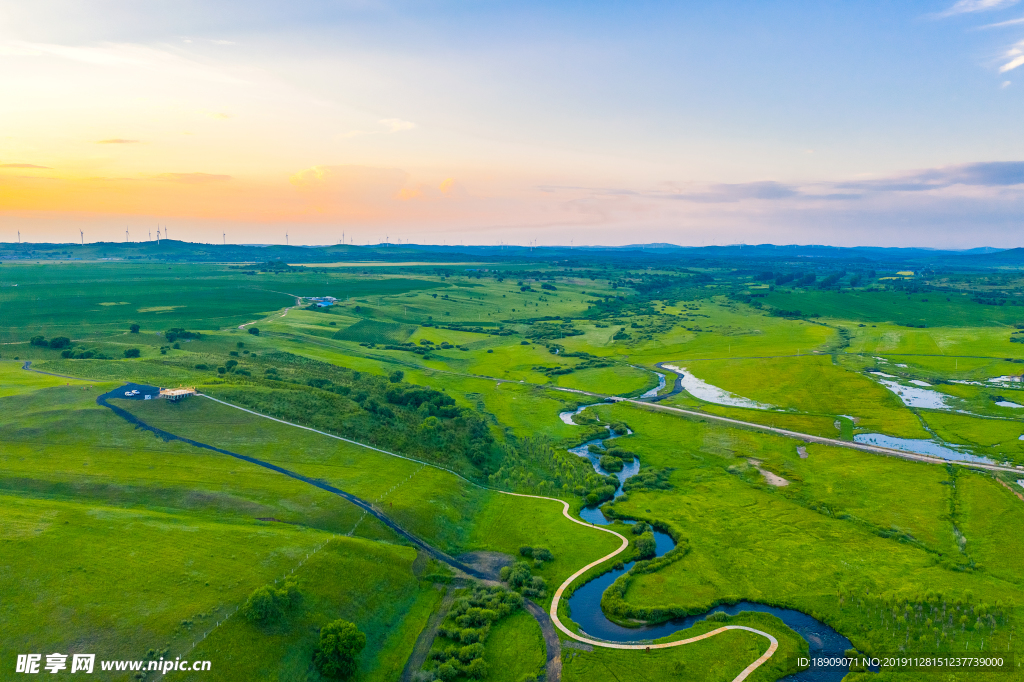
(645, 546)
(134, 329)
(263, 607)
(396, 376)
(267, 604)
(132, 352)
(340, 643)
(255, 331)
(60, 342)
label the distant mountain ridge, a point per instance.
(179, 251)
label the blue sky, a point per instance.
(842, 123)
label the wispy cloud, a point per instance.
(972, 6)
(1011, 22)
(729, 193)
(120, 55)
(985, 174)
(193, 178)
(117, 140)
(391, 125)
(396, 125)
(1016, 56)
(21, 165)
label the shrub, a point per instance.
(526, 551)
(645, 545)
(134, 329)
(542, 554)
(609, 463)
(396, 376)
(60, 342)
(37, 341)
(255, 331)
(202, 366)
(340, 643)
(267, 604)
(132, 352)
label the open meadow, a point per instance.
(141, 528)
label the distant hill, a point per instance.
(170, 250)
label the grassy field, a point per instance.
(834, 531)
(718, 659)
(956, 310)
(854, 539)
(387, 603)
(67, 589)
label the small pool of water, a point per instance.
(712, 394)
(1007, 403)
(920, 447)
(654, 391)
(917, 397)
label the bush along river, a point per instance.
(585, 602)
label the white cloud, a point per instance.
(971, 6)
(1012, 64)
(1016, 56)
(1011, 22)
(1005, 84)
(121, 56)
(396, 125)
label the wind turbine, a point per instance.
(225, 235)
(126, 235)
(81, 234)
(286, 239)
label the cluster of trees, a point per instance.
(267, 605)
(929, 622)
(538, 554)
(411, 420)
(534, 466)
(176, 333)
(83, 354)
(56, 342)
(468, 624)
(648, 479)
(520, 577)
(644, 545)
(612, 459)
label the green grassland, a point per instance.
(834, 531)
(67, 589)
(514, 649)
(79, 300)
(390, 606)
(956, 310)
(812, 385)
(718, 659)
(87, 500)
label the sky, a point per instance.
(450, 121)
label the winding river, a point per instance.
(585, 602)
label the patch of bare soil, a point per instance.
(488, 563)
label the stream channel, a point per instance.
(585, 602)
